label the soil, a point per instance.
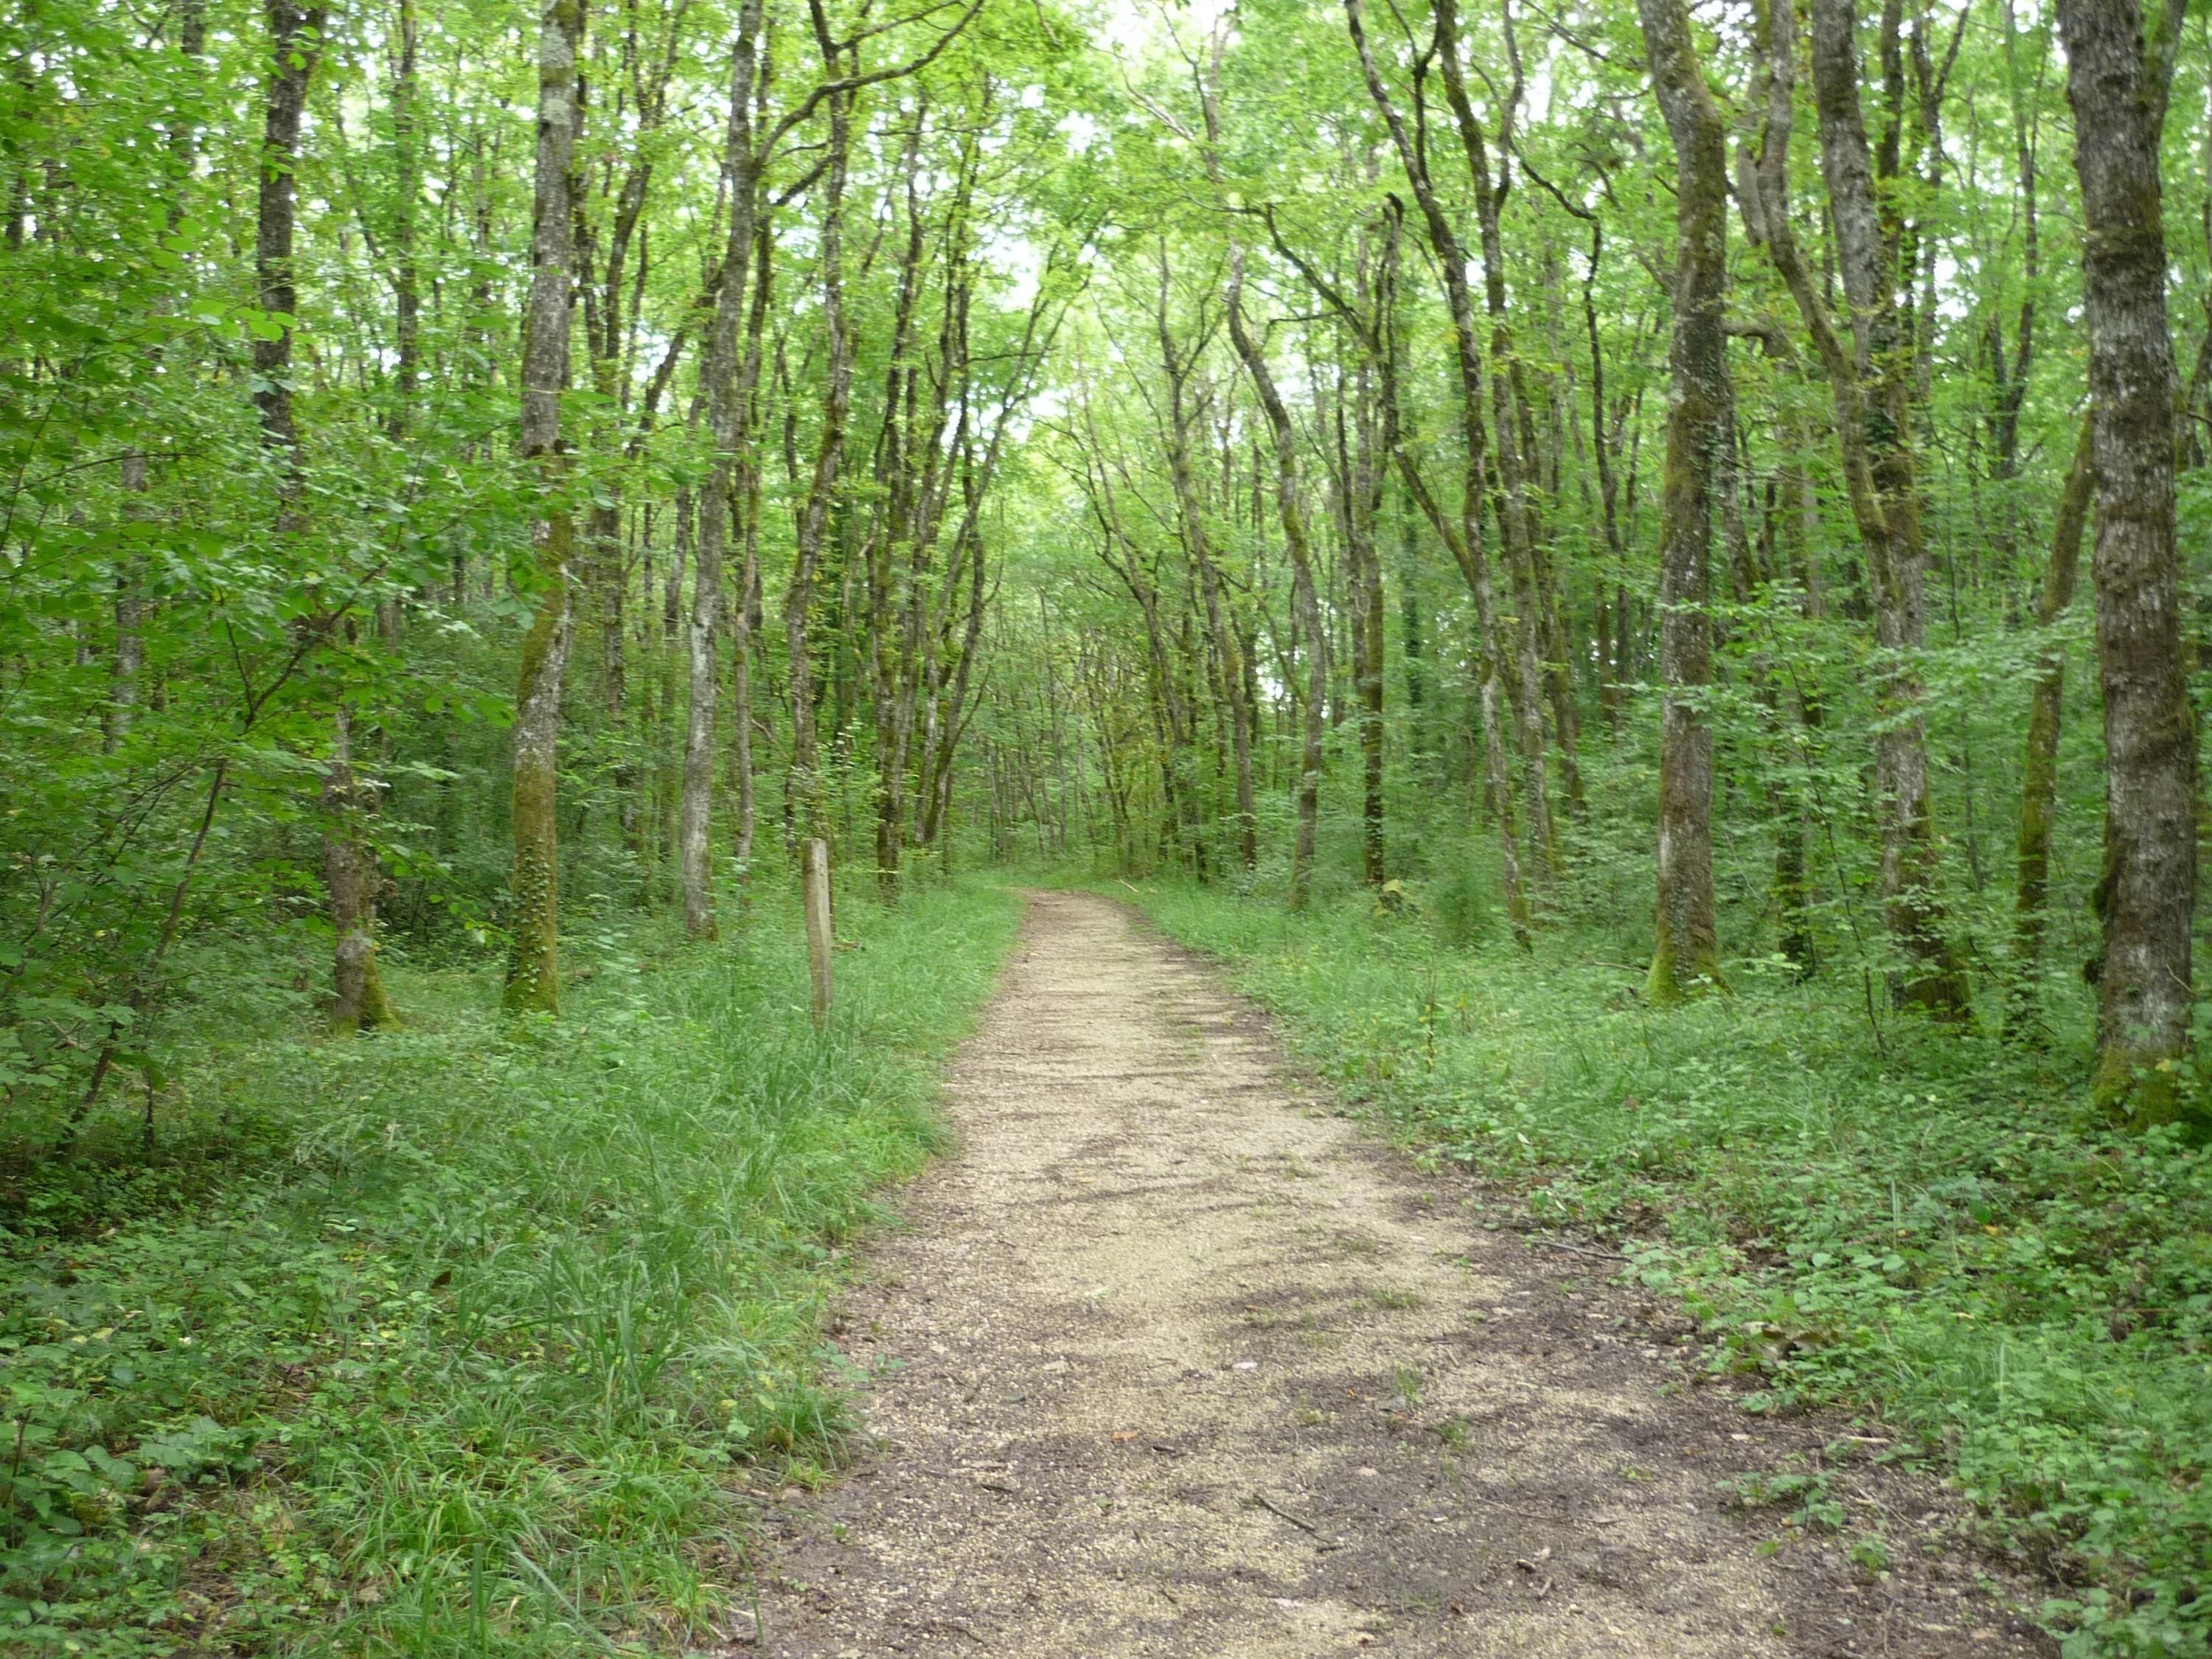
(1173, 1358)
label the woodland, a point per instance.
(1635, 571)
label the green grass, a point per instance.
(1937, 1230)
(462, 1339)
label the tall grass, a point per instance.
(461, 1338)
(1934, 1226)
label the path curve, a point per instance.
(1180, 1363)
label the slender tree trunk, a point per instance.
(533, 976)
(1464, 538)
(719, 375)
(2039, 772)
(350, 869)
(295, 45)
(1510, 501)
(128, 664)
(1191, 522)
(744, 615)
(668, 730)
(2117, 81)
(1305, 593)
(1687, 952)
(1367, 667)
(406, 277)
(814, 517)
(1877, 465)
(1934, 980)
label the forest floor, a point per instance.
(1174, 1358)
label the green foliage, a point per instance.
(1939, 1229)
(459, 1339)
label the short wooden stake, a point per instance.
(819, 940)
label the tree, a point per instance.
(1687, 951)
(2117, 76)
(533, 974)
(728, 425)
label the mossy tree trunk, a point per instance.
(2117, 74)
(1686, 954)
(533, 974)
(1872, 255)
(359, 1001)
(1462, 536)
(1512, 507)
(719, 384)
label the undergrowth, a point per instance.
(1933, 1227)
(459, 1338)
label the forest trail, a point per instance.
(1185, 1364)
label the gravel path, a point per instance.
(1180, 1362)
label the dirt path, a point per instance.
(1187, 1365)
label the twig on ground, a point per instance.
(1275, 1509)
(1574, 1249)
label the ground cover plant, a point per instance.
(1940, 1231)
(462, 1337)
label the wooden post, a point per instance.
(819, 941)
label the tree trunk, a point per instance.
(2038, 771)
(1305, 595)
(1191, 523)
(1686, 953)
(406, 277)
(1367, 673)
(359, 1001)
(1877, 465)
(350, 868)
(1510, 502)
(744, 615)
(295, 44)
(812, 533)
(719, 375)
(1464, 539)
(2116, 82)
(1934, 980)
(533, 976)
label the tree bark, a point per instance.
(1464, 537)
(1177, 365)
(1877, 465)
(812, 532)
(2116, 82)
(1289, 509)
(744, 615)
(1510, 496)
(1685, 953)
(1933, 980)
(359, 1001)
(2039, 772)
(295, 45)
(533, 976)
(719, 375)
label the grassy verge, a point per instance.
(1934, 1229)
(453, 1339)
